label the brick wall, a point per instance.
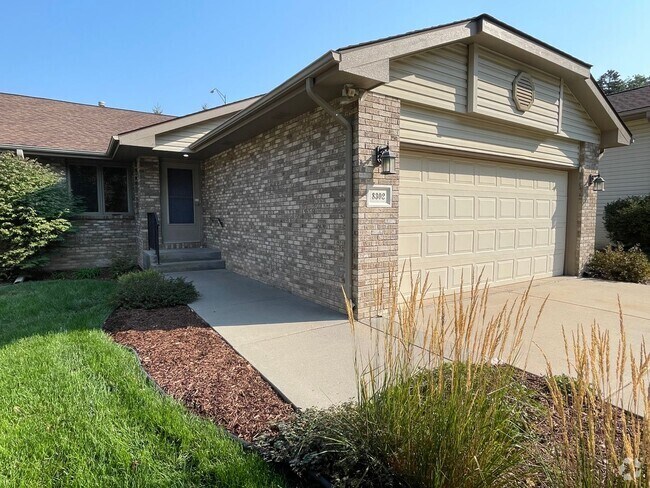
(94, 243)
(95, 240)
(280, 197)
(586, 226)
(376, 229)
(146, 199)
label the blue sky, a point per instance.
(140, 53)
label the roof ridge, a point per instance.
(85, 104)
(629, 90)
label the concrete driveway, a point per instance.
(308, 351)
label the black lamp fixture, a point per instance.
(386, 158)
(597, 181)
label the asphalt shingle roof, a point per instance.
(55, 124)
(631, 99)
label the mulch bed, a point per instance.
(194, 364)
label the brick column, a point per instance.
(376, 229)
(146, 198)
(586, 211)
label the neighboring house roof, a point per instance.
(635, 99)
(367, 65)
(31, 122)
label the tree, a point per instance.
(35, 211)
(637, 81)
(157, 109)
(611, 82)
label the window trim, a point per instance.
(101, 204)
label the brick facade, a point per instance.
(586, 225)
(94, 243)
(146, 199)
(376, 229)
(280, 197)
(95, 240)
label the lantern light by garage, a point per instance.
(386, 158)
(597, 181)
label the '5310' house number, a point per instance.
(379, 196)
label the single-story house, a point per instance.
(460, 148)
(626, 170)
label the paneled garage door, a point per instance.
(459, 217)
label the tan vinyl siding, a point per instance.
(576, 123)
(435, 78)
(179, 140)
(495, 75)
(428, 127)
(626, 171)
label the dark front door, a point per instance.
(181, 207)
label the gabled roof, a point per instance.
(367, 65)
(41, 123)
(631, 100)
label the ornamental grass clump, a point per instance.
(439, 406)
(600, 411)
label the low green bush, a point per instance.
(87, 274)
(332, 443)
(627, 221)
(121, 265)
(619, 264)
(150, 289)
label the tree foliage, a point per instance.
(35, 211)
(611, 82)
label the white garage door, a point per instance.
(458, 217)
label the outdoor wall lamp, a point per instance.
(597, 181)
(386, 158)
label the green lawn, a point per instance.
(76, 410)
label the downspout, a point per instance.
(349, 195)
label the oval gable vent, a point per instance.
(523, 91)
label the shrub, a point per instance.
(150, 289)
(87, 274)
(627, 221)
(35, 208)
(332, 443)
(617, 264)
(121, 265)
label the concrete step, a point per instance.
(181, 256)
(201, 265)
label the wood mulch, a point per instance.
(194, 364)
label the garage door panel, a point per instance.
(460, 217)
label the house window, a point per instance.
(101, 189)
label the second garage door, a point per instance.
(461, 216)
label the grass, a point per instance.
(439, 413)
(76, 409)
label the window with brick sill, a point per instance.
(102, 189)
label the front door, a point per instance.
(181, 203)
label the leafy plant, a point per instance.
(332, 443)
(35, 211)
(121, 265)
(87, 274)
(618, 264)
(150, 289)
(627, 221)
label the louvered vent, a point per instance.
(523, 91)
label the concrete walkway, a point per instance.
(308, 351)
(304, 349)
